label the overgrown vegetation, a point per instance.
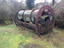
(8, 9)
(15, 37)
(59, 14)
(12, 36)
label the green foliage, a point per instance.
(14, 37)
(30, 3)
(8, 22)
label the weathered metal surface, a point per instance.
(41, 20)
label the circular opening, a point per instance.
(45, 15)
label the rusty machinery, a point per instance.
(40, 20)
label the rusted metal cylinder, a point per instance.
(27, 15)
(40, 20)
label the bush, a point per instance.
(8, 10)
(59, 15)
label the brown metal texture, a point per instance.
(36, 21)
(51, 23)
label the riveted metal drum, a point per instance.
(40, 20)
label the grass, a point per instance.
(15, 37)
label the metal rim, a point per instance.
(39, 15)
